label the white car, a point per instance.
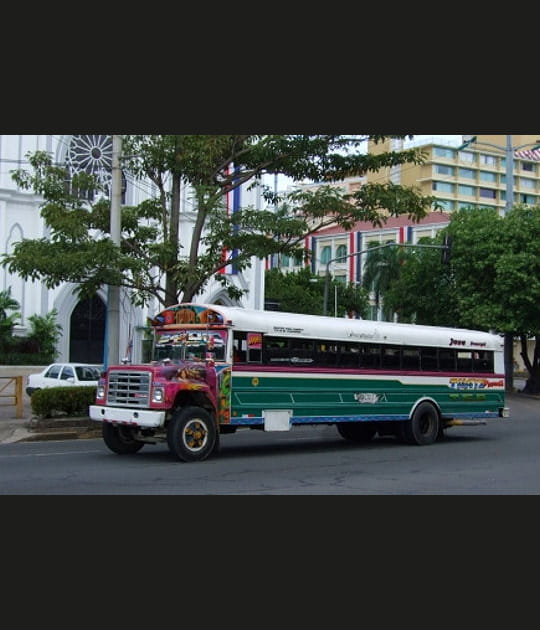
(64, 375)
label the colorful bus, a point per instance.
(217, 369)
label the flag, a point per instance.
(231, 209)
(533, 155)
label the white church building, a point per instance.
(83, 322)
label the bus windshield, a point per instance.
(189, 345)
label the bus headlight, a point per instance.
(158, 395)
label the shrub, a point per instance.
(23, 358)
(70, 401)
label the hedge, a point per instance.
(59, 401)
(23, 358)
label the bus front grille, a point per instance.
(129, 389)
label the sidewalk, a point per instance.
(30, 429)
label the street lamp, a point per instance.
(509, 152)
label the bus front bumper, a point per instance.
(131, 417)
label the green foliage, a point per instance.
(476, 247)
(46, 333)
(303, 292)
(149, 260)
(382, 268)
(71, 401)
(7, 321)
(423, 291)
(12, 356)
(492, 281)
(294, 292)
(39, 347)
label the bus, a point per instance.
(217, 369)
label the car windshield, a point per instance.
(87, 373)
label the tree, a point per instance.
(476, 235)
(303, 292)
(492, 281)
(46, 332)
(7, 321)
(518, 285)
(423, 292)
(295, 292)
(382, 268)
(150, 261)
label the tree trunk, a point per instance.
(171, 288)
(532, 385)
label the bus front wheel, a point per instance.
(192, 434)
(424, 426)
(357, 431)
(120, 440)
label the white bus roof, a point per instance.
(281, 323)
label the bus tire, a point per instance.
(424, 426)
(120, 440)
(192, 434)
(358, 432)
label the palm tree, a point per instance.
(7, 322)
(46, 332)
(382, 267)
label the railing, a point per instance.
(8, 384)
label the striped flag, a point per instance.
(233, 201)
(533, 155)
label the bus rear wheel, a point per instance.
(192, 434)
(357, 431)
(424, 427)
(120, 440)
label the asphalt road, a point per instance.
(500, 458)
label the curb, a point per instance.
(35, 430)
(61, 434)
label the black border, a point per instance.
(274, 100)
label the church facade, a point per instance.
(83, 322)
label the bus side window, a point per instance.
(447, 360)
(254, 355)
(349, 356)
(410, 358)
(239, 356)
(370, 356)
(391, 358)
(464, 361)
(276, 351)
(429, 359)
(483, 361)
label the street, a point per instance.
(500, 458)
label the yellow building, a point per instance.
(468, 176)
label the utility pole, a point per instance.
(113, 294)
